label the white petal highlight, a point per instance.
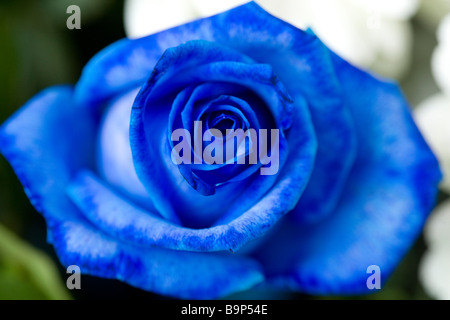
(114, 158)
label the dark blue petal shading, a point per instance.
(386, 200)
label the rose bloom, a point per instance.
(354, 186)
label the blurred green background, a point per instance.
(37, 50)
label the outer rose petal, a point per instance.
(46, 146)
(185, 275)
(115, 216)
(390, 192)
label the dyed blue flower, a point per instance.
(354, 185)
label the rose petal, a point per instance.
(127, 223)
(184, 275)
(334, 129)
(114, 160)
(390, 192)
(288, 185)
(46, 148)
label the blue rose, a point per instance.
(353, 185)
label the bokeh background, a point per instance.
(36, 51)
